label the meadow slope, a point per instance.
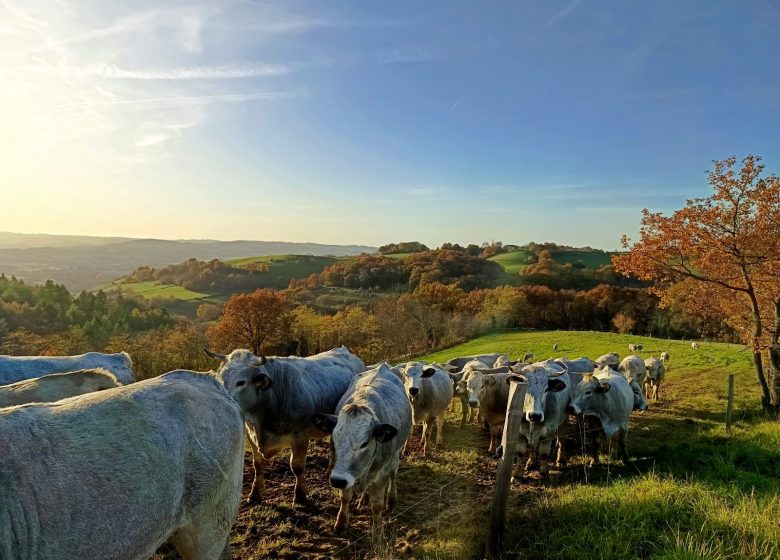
(693, 492)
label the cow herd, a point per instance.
(95, 465)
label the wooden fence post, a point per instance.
(730, 404)
(514, 412)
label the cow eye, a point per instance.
(588, 392)
(240, 383)
(364, 445)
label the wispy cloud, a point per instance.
(179, 100)
(227, 72)
(455, 103)
(556, 18)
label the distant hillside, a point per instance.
(514, 261)
(86, 263)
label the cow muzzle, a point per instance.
(535, 417)
(414, 391)
(474, 403)
(572, 410)
(338, 482)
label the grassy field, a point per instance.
(590, 259)
(693, 492)
(513, 262)
(285, 267)
(155, 289)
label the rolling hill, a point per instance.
(84, 263)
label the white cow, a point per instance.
(430, 390)
(18, 368)
(57, 386)
(115, 474)
(695, 345)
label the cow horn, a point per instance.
(214, 355)
(260, 361)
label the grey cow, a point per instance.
(606, 400)
(57, 386)
(18, 368)
(488, 360)
(373, 423)
(655, 377)
(115, 474)
(430, 391)
(634, 370)
(489, 392)
(544, 410)
(279, 397)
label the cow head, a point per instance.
(542, 378)
(415, 372)
(589, 396)
(356, 433)
(244, 375)
(473, 384)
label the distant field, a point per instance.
(589, 259)
(398, 255)
(154, 289)
(283, 268)
(512, 262)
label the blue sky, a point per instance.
(369, 122)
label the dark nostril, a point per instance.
(414, 391)
(535, 417)
(339, 483)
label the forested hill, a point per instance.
(83, 263)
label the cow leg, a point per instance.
(495, 438)
(259, 461)
(439, 429)
(392, 488)
(298, 467)
(519, 471)
(622, 446)
(595, 442)
(544, 457)
(464, 413)
(342, 519)
(426, 435)
(377, 493)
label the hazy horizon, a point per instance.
(355, 123)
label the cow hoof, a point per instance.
(301, 499)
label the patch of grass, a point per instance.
(513, 262)
(155, 289)
(283, 268)
(591, 259)
(398, 255)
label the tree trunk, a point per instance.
(766, 397)
(774, 361)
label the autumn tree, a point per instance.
(723, 251)
(251, 320)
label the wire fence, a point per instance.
(436, 494)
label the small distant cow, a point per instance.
(695, 345)
(655, 377)
(555, 347)
(528, 357)
(57, 386)
(611, 359)
(373, 422)
(430, 391)
(115, 474)
(664, 358)
(18, 368)
(636, 347)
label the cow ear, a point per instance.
(518, 378)
(325, 422)
(261, 380)
(384, 432)
(602, 388)
(555, 385)
(428, 372)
